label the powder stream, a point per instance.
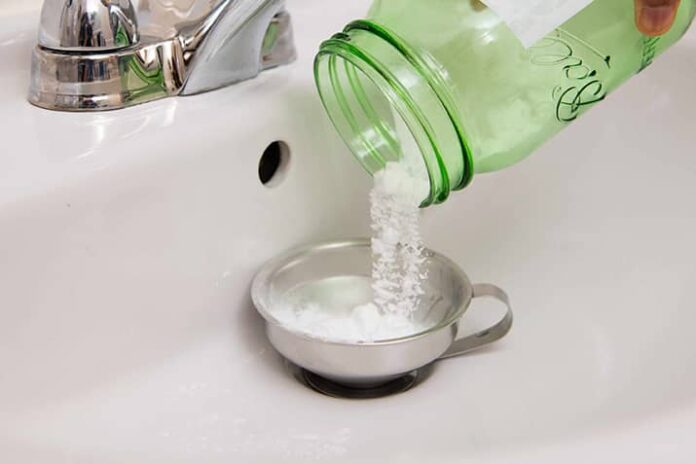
(397, 245)
(398, 267)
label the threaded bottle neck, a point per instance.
(385, 97)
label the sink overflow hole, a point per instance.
(274, 163)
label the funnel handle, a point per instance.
(487, 336)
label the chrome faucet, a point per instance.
(98, 55)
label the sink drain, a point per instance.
(336, 390)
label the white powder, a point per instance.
(365, 323)
(358, 309)
(397, 246)
(339, 309)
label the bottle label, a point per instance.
(532, 20)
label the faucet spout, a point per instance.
(235, 42)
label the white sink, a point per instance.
(128, 240)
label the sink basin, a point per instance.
(128, 241)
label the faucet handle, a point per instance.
(88, 25)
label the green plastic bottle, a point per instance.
(472, 98)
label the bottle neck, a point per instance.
(385, 97)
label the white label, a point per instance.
(531, 20)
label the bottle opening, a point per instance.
(385, 107)
(377, 129)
